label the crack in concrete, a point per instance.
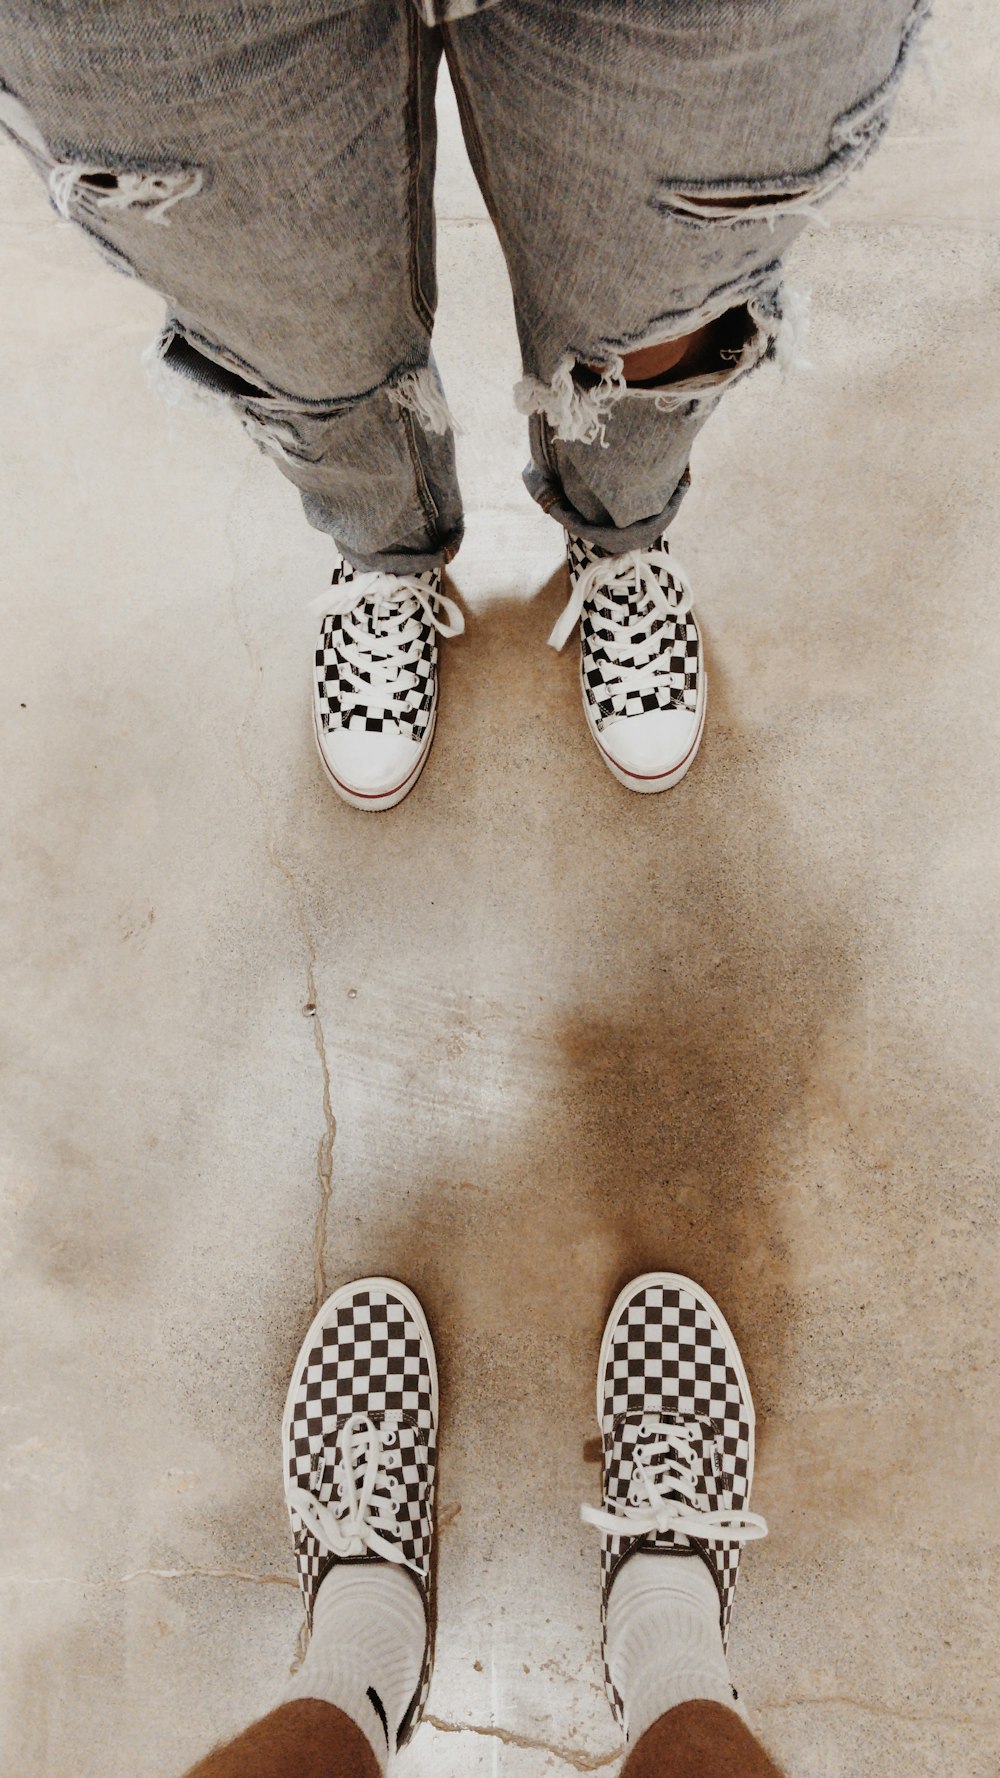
(570, 1756)
(594, 1762)
(324, 1148)
(873, 1708)
(124, 1580)
(257, 1580)
(325, 1145)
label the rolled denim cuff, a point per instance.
(616, 539)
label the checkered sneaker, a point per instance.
(377, 658)
(677, 1423)
(640, 647)
(359, 1438)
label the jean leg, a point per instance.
(647, 164)
(270, 170)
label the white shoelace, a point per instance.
(617, 575)
(362, 1514)
(377, 650)
(663, 1467)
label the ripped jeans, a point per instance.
(270, 168)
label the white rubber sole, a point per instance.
(323, 1319)
(650, 786)
(385, 799)
(676, 1281)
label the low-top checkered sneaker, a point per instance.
(359, 1445)
(375, 687)
(676, 1420)
(641, 666)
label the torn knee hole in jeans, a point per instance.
(579, 401)
(180, 368)
(181, 363)
(770, 323)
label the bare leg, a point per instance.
(699, 1740)
(306, 1739)
(651, 363)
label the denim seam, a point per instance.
(415, 133)
(113, 257)
(424, 495)
(470, 128)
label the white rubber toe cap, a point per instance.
(652, 751)
(372, 770)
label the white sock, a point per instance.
(664, 1641)
(367, 1644)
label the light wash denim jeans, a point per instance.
(270, 169)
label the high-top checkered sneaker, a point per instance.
(641, 666)
(359, 1441)
(375, 686)
(676, 1419)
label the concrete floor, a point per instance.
(524, 1036)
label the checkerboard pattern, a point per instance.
(437, 12)
(367, 1356)
(343, 670)
(672, 642)
(669, 1361)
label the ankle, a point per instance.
(366, 1650)
(664, 1639)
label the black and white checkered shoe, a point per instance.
(375, 686)
(641, 665)
(677, 1424)
(359, 1441)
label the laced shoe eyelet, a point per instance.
(388, 1435)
